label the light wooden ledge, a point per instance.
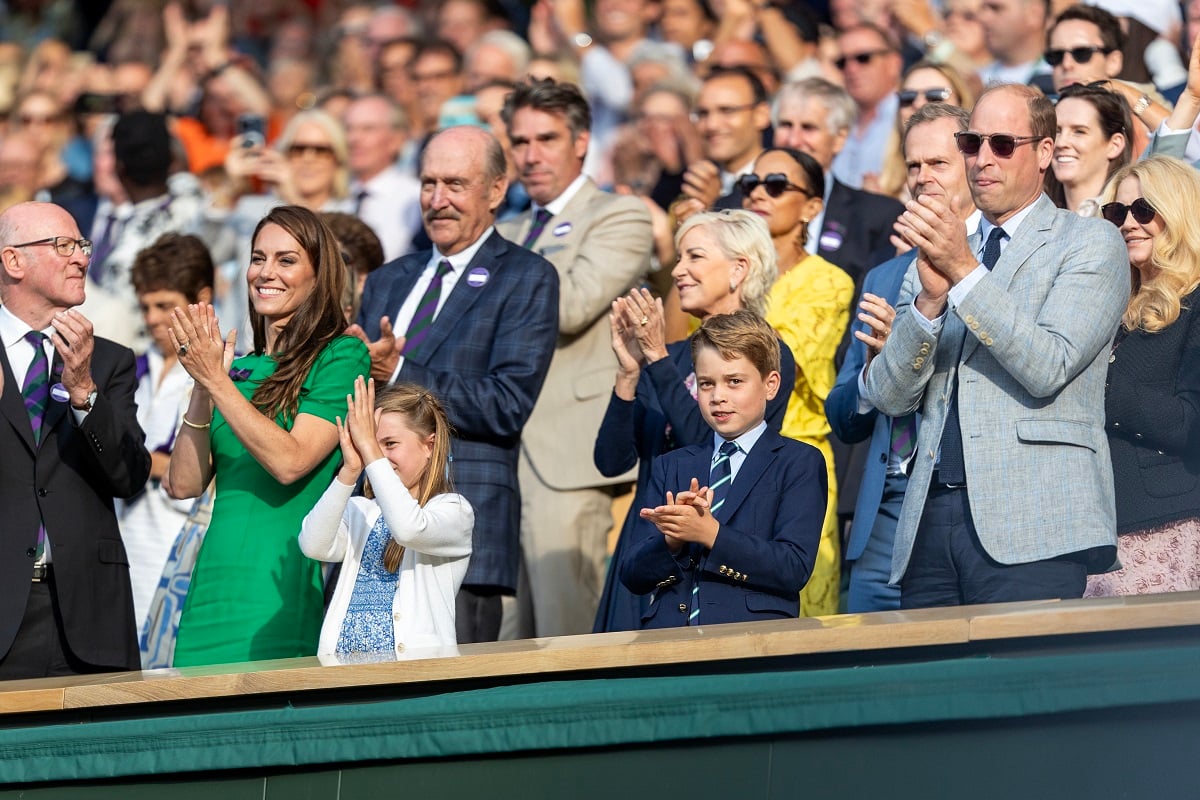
(532, 657)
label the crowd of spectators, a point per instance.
(935, 204)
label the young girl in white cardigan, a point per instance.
(404, 547)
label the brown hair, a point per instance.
(174, 263)
(316, 323)
(424, 415)
(740, 334)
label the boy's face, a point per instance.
(733, 394)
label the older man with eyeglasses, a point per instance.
(71, 444)
(1001, 340)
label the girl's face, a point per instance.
(408, 450)
(1081, 150)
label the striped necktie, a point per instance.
(36, 391)
(418, 329)
(540, 218)
(720, 477)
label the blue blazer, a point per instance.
(841, 407)
(770, 530)
(485, 357)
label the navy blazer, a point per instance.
(664, 416)
(68, 483)
(1152, 410)
(763, 556)
(841, 408)
(856, 228)
(485, 356)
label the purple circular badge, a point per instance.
(562, 229)
(478, 276)
(830, 240)
(59, 393)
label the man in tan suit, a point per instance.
(600, 244)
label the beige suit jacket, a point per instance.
(601, 245)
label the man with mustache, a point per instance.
(475, 320)
(600, 243)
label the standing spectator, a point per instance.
(381, 194)
(479, 317)
(1015, 32)
(1008, 375)
(1092, 142)
(65, 602)
(265, 430)
(870, 64)
(436, 72)
(808, 306)
(1152, 402)
(600, 244)
(498, 56)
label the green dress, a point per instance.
(253, 594)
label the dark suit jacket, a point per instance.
(68, 484)
(770, 529)
(1152, 409)
(841, 408)
(485, 357)
(855, 230)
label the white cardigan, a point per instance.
(437, 542)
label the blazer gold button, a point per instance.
(1137, 436)
(683, 608)
(1116, 424)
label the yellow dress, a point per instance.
(810, 308)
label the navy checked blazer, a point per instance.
(485, 357)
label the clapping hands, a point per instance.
(356, 434)
(685, 518)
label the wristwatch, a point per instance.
(1141, 105)
(89, 402)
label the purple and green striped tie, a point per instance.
(904, 436)
(540, 218)
(36, 390)
(418, 329)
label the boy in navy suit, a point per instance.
(736, 539)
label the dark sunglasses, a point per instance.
(297, 150)
(862, 59)
(1002, 144)
(776, 184)
(1141, 209)
(1081, 55)
(909, 96)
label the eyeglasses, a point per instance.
(299, 149)
(909, 96)
(862, 59)
(39, 119)
(1002, 144)
(1116, 213)
(65, 245)
(1081, 55)
(702, 114)
(775, 184)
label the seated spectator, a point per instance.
(1092, 142)
(870, 64)
(169, 274)
(361, 251)
(1152, 404)
(726, 263)
(809, 306)
(1014, 31)
(690, 24)
(737, 535)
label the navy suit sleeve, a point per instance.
(780, 560)
(615, 451)
(841, 406)
(498, 404)
(115, 441)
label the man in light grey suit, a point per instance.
(1002, 343)
(600, 244)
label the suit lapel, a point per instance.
(487, 262)
(398, 292)
(12, 405)
(757, 460)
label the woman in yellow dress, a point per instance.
(809, 306)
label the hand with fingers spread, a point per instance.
(196, 336)
(75, 342)
(878, 315)
(644, 315)
(385, 351)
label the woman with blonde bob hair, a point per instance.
(726, 263)
(1152, 402)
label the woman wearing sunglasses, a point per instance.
(924, 82)
(726, 263)
(1091, 143)
(809, 306)
(1152, 402)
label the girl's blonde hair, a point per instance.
(424, 415)
(1173, 189)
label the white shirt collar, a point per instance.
(459, 260)
(556, 206)
(744, 442)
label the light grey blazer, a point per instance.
(1030, 346)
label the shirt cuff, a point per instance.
(958, 292)
(931, 326)
(396, 371)
(864, 405)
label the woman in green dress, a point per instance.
(263, 426)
